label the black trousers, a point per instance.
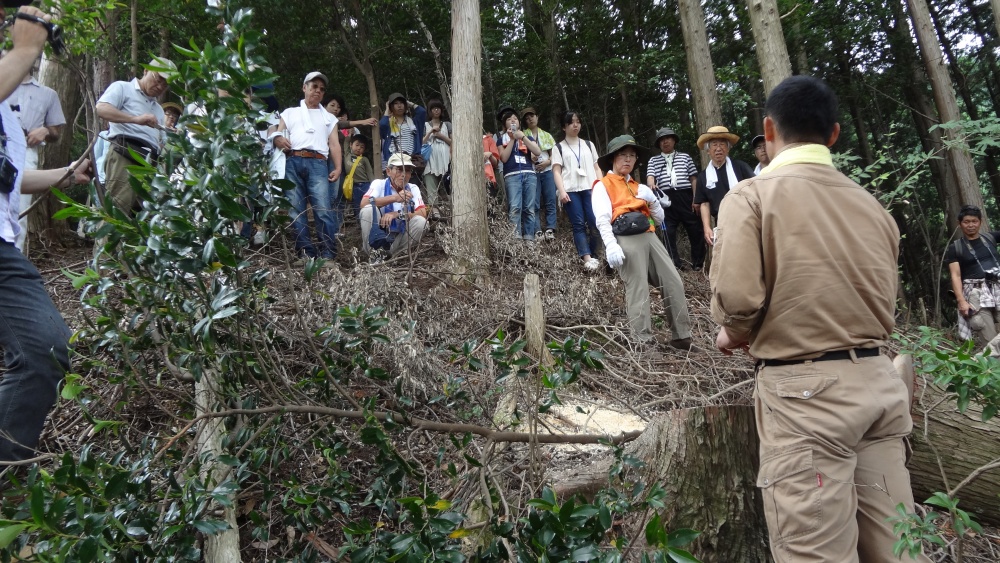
(679, 213)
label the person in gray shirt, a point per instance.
(136, 122)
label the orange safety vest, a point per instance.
(624, 196)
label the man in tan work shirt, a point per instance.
(804, 277)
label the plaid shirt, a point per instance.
(987, 295)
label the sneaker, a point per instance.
(591, 264)
(377, 257)
(435, 214)
(538, 234)
(258, 238)
(549, 234)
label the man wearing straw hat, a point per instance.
(721, 175)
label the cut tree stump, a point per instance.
(963, 443)
(706, 458)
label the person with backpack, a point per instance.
(574, 167)
(517, 152)
(974, 264)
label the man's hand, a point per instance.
(147, 119)
(27, 34)
(965, 309)
(387, 219)
(282, 143)
(726, 343)
(81, 171)
(709, 237)
(37, 136)
(695, 207)
(334, 175)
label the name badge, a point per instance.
(520, 159)
(580, 172)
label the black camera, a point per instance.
(55, 32)
(8, 173)
(992, 275)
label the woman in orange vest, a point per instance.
(623, 209)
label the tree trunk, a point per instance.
(946, 440)
(771, 50)
(995, 4)
(223, 547)
(134, 26)
(944, 98)
(706, 458)
(700, 70)
(438, 61)
(471, 256)
(60, 75)
(364, 65)
(921, 109)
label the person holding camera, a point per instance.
(33, 334)
(623, 208)
(517, 154)
(974, 265)
(395, 206)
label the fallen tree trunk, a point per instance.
(955, 444)
(706, 458)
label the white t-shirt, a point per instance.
(309, 129)
(580, 156)
(10, 204)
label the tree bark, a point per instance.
(770, 40)
(700, 70)
(134, 26)
(995, 5)
(956, 444)
(471, 256)
(223, 547)
(60, 75)
(706, 458)
(944, 98)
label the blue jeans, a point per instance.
(360, 189)
(547, 198)
(581, 217)
(313, 188)
(522, 193)
(35, 341)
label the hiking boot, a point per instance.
(538, 235)
(685, 344)
(377, 256)
(549, 234)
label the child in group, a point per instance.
(574, 164)
(517, 151)
(360, 172)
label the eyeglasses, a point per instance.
(406, 169)
(759, 148)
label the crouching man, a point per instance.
(393, 205)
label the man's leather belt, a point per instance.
(307, 154)
(838, 355)
(122, 143)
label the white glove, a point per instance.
(665, 200)
(615, 255)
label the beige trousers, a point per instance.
(647, 262)
(832, 459)
(116, 182)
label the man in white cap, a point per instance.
(136, 122)
(397, 208)
(721, 175)
(308, 136)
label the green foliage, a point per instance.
(913, 530)
(972, 377)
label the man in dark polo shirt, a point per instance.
(974, 265)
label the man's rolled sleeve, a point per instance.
(737, 274)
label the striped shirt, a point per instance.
(683, 166)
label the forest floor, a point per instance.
(637, 384)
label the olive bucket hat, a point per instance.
(618, 143)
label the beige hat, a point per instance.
(718, 132)
(400, 159)
(314, 75)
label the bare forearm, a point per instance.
(110, 113)
(39, 181)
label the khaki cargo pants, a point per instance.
(832, 459)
